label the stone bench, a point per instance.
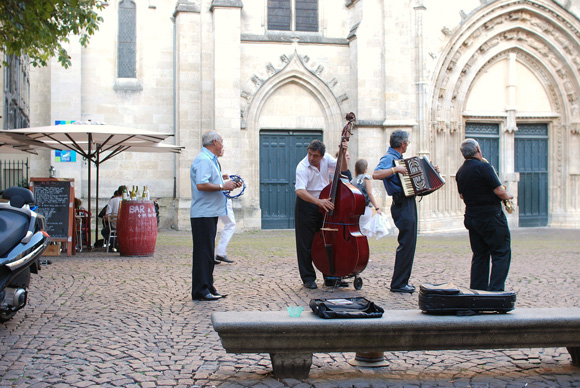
(292, 341)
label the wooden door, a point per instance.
(280, 153)
(531, 161)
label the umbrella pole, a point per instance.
(97, 199)
(89, 245)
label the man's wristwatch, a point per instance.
(221, 186)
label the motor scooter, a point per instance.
(22, 242)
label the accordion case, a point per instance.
(450, 299)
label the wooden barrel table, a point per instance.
(137, 228)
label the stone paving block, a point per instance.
(159, 337)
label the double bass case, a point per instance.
(450, 299)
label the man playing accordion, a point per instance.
(403, 210)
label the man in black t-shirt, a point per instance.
(489, 234)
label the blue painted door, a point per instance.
(531, 161)
(280, 152)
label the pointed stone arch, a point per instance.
(294, 70)
(547, 38)
(301, 71)
(543, 37)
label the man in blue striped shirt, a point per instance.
(207, 204)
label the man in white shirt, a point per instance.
(312, 175)
(113, 205)
(112, 210)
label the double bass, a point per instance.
(339, 249)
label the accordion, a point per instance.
(422, 178)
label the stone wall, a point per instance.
(424, 66)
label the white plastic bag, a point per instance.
(379, 226)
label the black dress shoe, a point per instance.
(406, 289)
(224, 259)
(208, 297)
(311, 285)
(218, 294)
(215, 261)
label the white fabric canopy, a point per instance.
(94, 141)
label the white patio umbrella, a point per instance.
(91, 140)
(157, 147)
(5, 147)
(20, 143)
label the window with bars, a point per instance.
(127, 40)
(13, 173)
(293, 15)
(487, 135)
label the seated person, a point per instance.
(112, 210)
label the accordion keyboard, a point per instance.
(405, 179)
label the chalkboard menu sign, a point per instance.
(55, 200)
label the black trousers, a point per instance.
(307, 221)
(203, 230)
(489, 236)
(404, 213)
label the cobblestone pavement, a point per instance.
(101, 320)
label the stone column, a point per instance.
(369, 64)
(227, 42)
(65, 93)
(187, 94)
(507, 146)
(367, 86)
(66, 105)
(40, 113)
(226, 88)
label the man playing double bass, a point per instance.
(312, 175)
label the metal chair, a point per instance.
(111, 220)
(82, 219)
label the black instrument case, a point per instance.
(450, 299)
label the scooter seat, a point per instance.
(13, 227)
(18, 196)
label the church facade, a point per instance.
(270, 76)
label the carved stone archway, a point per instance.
(545, 39)
(544, 31)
